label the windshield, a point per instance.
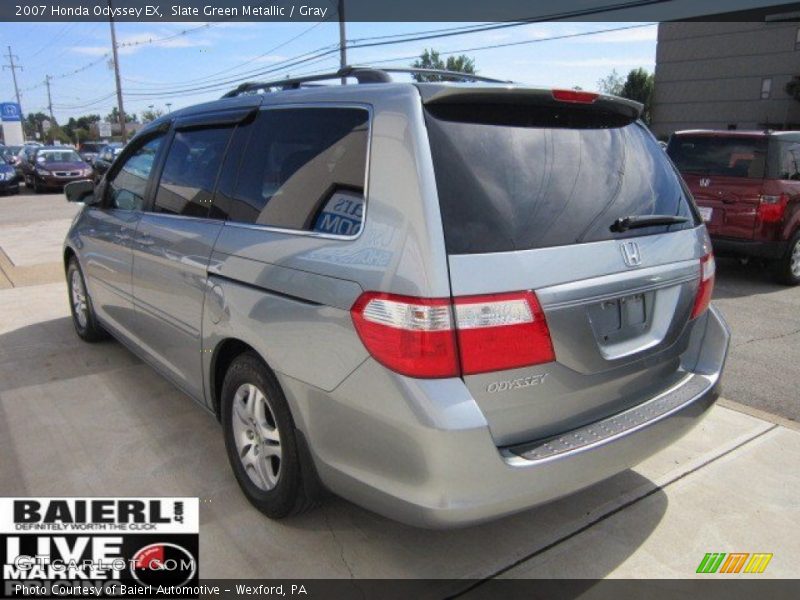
(58, 156)
(505, 186)
(734, 156)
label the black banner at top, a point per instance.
(394, 10)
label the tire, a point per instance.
(80, 305)
(260, 433)
(787, 269)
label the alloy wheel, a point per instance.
(258, 441)
(79, 304)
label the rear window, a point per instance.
(716, 155)
(508, 180)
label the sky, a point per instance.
(163, 63)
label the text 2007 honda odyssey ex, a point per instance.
(444, 302)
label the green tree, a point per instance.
(611, 83)
(430, 59)
(113, 116)
(151, 115)
(639, 86)
(33, 125)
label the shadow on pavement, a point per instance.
(736, 280)
(79, 419)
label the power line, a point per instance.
(329, 51)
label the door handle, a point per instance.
(728, 200)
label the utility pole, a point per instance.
(11, 66)
(342, 41)
(47, 79)
(120, 109)
(169, 106)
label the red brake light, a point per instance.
(707, 269)
(423, 337)
(575, 96)
(412, 336)
(771, 208)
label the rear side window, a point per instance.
(190, 171)
(789, 167)
(516, 182)
(304, 169)
(734, 156)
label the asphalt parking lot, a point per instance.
(79, 419)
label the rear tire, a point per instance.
(261, 441)
(787, 269)
(80, 304)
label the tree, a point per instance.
(113, 116)
(611, 83)
(151, 115)
(33, 125)
(430, 59)
(793, 87)
(639, 87)
(80, 129)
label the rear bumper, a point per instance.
(420, 451)
(742, 248)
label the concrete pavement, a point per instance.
(80, 419)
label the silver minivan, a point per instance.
(443, 301)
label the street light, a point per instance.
(169, 106)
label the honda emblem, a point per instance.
(631, 254)
(705, 182)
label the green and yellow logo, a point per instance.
(734, 562)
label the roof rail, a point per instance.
(361, 74)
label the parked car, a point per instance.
(89, 150)
(10, 153)
(104, 158)
(9, 181)
(747, 185)
(52, 167)
(446, 303)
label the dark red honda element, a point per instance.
(747, 187)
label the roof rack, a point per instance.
(361, 74)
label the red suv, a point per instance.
(747, 187)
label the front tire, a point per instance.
(260, 439)
(83, 317)
(787, 269)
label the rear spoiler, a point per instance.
(443, 94)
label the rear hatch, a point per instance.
(533, 191)
(725, 174)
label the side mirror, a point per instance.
(80, 191)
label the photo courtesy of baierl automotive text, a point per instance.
(358, 298)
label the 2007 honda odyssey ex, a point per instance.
(446, 302)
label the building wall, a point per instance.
(709, 75)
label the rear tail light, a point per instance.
(423, 337)
(772, 208)
(707, 269)
(502, 331)
(575, 96)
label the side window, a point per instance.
(127, 188)
(190, 171)
(790, 161)
(304, 169)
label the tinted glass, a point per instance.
(127, 188)
(735, 156)
(190, 171)
(304, 169)
(789, 167)
(57, 156)
(510, 184)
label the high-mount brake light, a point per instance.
(425, 337)
(575, 96)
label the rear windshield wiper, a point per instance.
(634, 222)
